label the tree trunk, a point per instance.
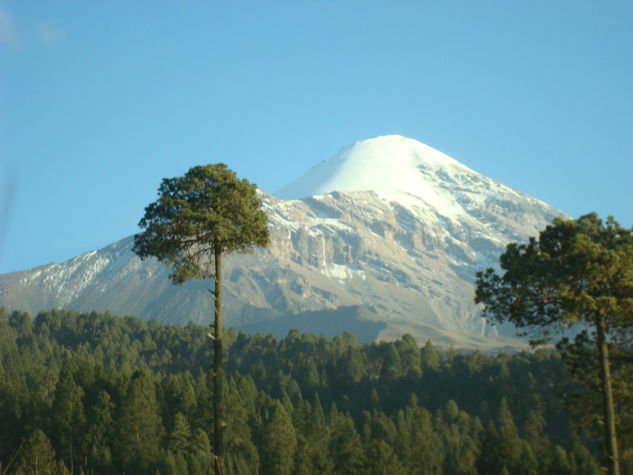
(218, 376)
(607, 397)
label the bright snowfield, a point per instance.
(393, 166)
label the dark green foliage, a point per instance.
(344, 444)
(431, 357)
(132, 414)
(69, 419)
(36, 455)
(208, 210)
(279, 441)
(410, 357)
(195, 220)
(578, 274)
(586, 404)
(139, 428)
(180, 436)
(100, 417)
(576, 270)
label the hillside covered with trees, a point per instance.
(102, 394)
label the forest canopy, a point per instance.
(104, 394)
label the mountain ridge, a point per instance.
(392, 252)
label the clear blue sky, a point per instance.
(101, 100)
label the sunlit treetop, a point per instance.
(203, 214)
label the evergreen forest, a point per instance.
(94, 393)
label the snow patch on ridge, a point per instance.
(342, 273)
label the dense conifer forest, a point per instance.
(95, 393)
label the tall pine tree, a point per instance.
(196, 220)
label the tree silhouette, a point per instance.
(577, 272)
(195, 220)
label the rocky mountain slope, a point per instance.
(384, 238)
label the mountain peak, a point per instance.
(390, 165)
(385, 164)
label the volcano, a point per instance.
(382, 239)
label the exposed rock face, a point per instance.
(408, 258)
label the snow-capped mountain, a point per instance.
(382, 239)
(429, 183)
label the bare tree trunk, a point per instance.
(607, 397)
(218, 376)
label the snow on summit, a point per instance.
(393, 166)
